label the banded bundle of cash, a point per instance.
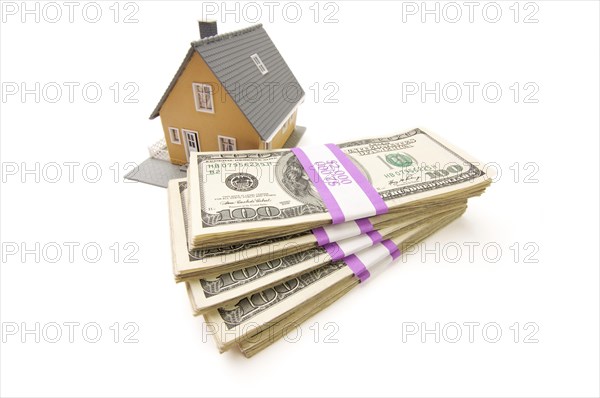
(265, 239)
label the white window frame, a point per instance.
(224, 137)
(202, 86)
(176, 131)
(259, 64)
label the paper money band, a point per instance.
(381, 254)
(346, 247)
(333, 233)
(344, 189)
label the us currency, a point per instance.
(210, 293)
(190, 264)
(252, 345)
(241, 196)
(255, 313)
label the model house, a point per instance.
(233, 91)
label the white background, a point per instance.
(549, 210)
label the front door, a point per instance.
(191, 142)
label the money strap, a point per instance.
(344, 189)
(333, 233)
(346, 247)
(381, 254)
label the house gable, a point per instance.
(179, 110)
(251, 70)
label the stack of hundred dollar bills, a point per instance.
(262, 244)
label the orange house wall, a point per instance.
(282, 135)
(179, 111)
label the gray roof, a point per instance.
(265, 100)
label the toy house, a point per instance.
(233, 91)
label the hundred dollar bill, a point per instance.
(189, 264)
(210, 293)
(241, 196)
(255, 343)
(252, 314)
(289, 324)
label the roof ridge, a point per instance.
(224, 36)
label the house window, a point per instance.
(226, 143)
(259, 64)
(203, 97)
(174, 135)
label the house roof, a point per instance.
(266, 100)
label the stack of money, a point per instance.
(261, 247)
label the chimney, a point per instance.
(207, 28)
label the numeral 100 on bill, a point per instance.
(247, 213)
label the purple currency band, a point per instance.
(357, 267)
(361, 180)
(336, 213)
(337, 253)
(360, 270)
(321, 235)
(392, 248)
(364, 225)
